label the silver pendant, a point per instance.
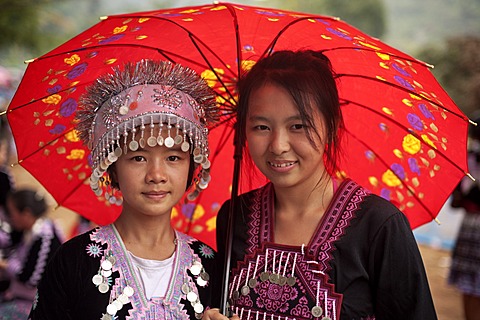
(245, 290)
(317, 311)
(264, 276)
(252, 283)
(291, 281)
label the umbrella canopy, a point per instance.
(406, 138)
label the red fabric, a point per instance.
(386, 94)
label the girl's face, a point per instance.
(152, 180)
(277, 139)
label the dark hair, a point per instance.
(28, 199)
(309, 79)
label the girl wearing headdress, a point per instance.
(146, 126)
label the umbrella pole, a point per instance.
(224, 308)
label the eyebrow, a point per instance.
(266, 119)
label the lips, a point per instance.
(155, 193)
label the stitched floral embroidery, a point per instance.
(206, 251)
(94, 250)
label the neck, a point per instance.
(153, 240)
(304, 199)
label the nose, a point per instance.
(280, 142)
(156, 172)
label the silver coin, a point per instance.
(198, 308)
(103, 166)
(178, 139)
(141, 142)
(106, 273)
(235, 295)
(204, 276)
(201, 282)
(107, 265)
(274, 278)
(282, 280)
(245, 290)
(151, 142)
(112, 157)
(185, 288)
(169, 142)
(291, 281)
(118, 304)
(123, 110)
(198, 158)
(264, 276)
(195, 269)
(185, 146)
(326, 318)
(118, 151)
(252, 283)
(133, 145)
(317, 311)
(112, 309)
(103, 287)
(192, 296)
(112, 259)
(206, 164)
(123, 298)
(160, 140)
(97, 279)
(128, 291)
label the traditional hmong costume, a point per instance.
(97, 271)
(359, 244)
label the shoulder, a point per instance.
(246, 199)
(204, 251)
(81, 247)
(375, 215)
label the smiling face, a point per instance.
(153, 179)
(278, 140)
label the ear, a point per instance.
(112, 173)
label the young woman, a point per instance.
(146, 123)
(309, 245)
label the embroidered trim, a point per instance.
(46, 233)
(337, 219)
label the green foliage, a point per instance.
(366, 15)
(458, 71)
(18, 23)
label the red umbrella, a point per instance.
(406, 139)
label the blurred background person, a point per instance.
(465, 267)
(26, 211)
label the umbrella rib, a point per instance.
(412, 192)
(461, 116)
(73, 190)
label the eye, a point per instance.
(138, 158)
(298, 126)
(261, 127)
(173, 158)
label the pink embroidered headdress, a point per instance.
(157, 96)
